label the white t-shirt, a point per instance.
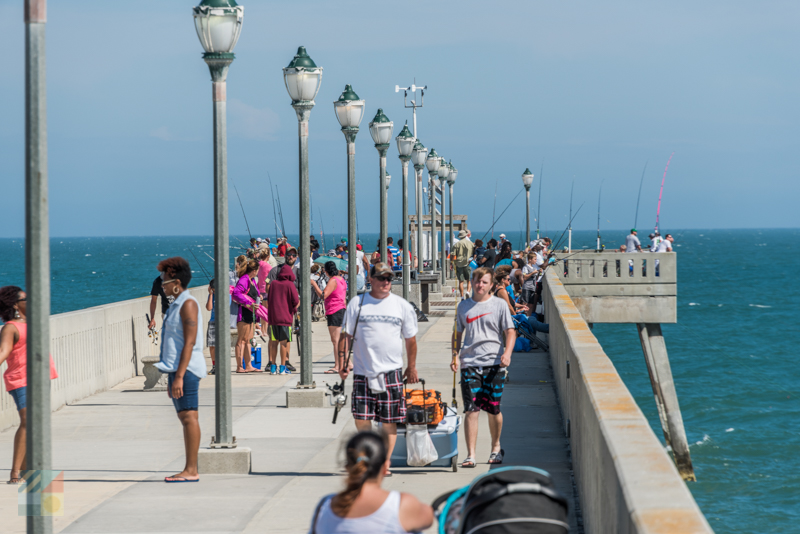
(360, 262)
(530, 283)
(383, 326)
(656, 241)
(664, 245)
(484, 325)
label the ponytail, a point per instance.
(366, 456)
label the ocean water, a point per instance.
(733, 351)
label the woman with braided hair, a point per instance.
(13, 349)
(363, 506)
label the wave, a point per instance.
(694, 304)
(758, 306)
(727, 429)
(706, 439)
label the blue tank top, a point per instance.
(172, 340)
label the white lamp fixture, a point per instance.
(405, 141)
(218, 24)
(388, 179)
(302, 77)
(444, 170)
(349, 108)
(420, 154)
(527, 178)
(453, 175)
(433, 162)
(381, 129)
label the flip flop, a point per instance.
(496, 457)
(253, 370)
(16, 481)
(332, 371)
(468, 462)
(179, 480)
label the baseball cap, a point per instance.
(380, 269)
(359, 247)
(502, 236)
(651, 236)
(633, 230)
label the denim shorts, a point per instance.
(191, 385)
(19, 396)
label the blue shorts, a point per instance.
(19, 396)
(191, 385)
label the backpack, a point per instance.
(424, 406)
(506, 500)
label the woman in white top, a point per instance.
(363, 506)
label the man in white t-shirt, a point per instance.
(485, 323)
(666, 244)
(655, 240)
(380, 322)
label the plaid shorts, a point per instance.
(386, 407)
(482, 388)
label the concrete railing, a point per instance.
(626, 481)
(97, 348)
(614, 287)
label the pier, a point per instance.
(566, 411)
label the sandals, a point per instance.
(332, 371)
(496, 457)
(176, 479)
(16, 481)
(468, 462)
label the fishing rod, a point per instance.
(639, 198)
(322, 229)
(539, 208)
(501, 214)
(658, 211)
(280, 211)
(598, 215)
(560, 240)
(274, 217)
(493, 208)
(241, 206)
(205, 273)
(572, 190)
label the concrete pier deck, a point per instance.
(117, 446)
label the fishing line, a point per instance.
(658, 211)
(639, 198)
(501, 214)
(539, 203)
(241, 206)
(274, 217)
(200, 264)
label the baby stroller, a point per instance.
(525, 330)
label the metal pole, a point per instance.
(37, 252)
(434, 236)
(406, 243)
(352, 288)
(539, 208)
(382, 149)
(442, 252)
(452, 237)
(527, 216)
(303, 110)
(419, 208)
(223, 410)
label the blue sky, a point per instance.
(591, 90)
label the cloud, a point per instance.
(250, 122)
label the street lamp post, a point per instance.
(385, 221)
(349, 111)
(451, 180)
(527, 180)
(381, 130)
(444, 172)
(405, 146)
(218, 24)
(419, 157)
(302, 78)
(433, 162)
(37, 251)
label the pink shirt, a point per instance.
(263, 270)
(336, 300)
(16, 376)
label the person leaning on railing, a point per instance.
(13, 349)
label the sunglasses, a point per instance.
(22, 300)
(386, 278)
